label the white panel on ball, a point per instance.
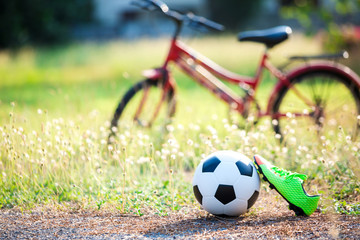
(235, 208)
(207, 184)
(227, 173)
(213, 206)
(245, 186)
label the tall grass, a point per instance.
(56, 105)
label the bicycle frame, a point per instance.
(207, 72)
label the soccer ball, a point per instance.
(226, 183)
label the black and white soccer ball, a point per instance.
(226, 183)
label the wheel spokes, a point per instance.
(332, 104)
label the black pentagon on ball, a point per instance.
(253, 199)
(244, 169)
(197, 194)
(211, 164)
(225, 194)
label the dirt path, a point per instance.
(269, 219)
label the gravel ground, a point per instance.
(269, 219)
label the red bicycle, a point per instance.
(319, 96)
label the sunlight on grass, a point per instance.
(150, 170)
(103, 62)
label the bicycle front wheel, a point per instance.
(317, 103)
(144, 104)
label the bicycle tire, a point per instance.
(133, 92)
(341, 114)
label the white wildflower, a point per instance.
(142, 160)
(170, 128)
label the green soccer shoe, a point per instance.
(289, 186)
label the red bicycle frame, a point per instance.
(208, 73)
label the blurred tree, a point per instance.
(234, 14)
(334, 15)
(40, 21)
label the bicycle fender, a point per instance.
(325, 66)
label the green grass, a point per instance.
(57, 102)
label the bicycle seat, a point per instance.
(270, 37)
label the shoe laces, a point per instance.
(288, 175)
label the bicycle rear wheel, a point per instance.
(318, 103)
(145, 104)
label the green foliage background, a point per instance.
(26, 22)
(233, 13)
(40, 21)
(336, 16)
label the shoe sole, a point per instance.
(298, 211)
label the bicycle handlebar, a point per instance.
(199, 22)
(190, 19)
